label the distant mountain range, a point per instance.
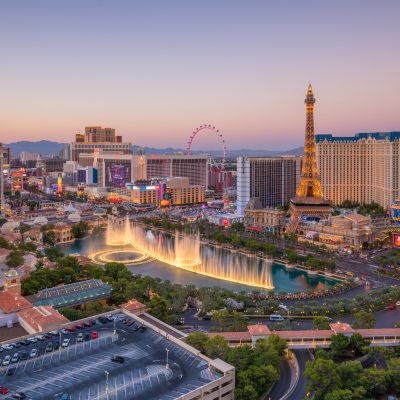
(48, 147)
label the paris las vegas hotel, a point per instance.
(363, 168)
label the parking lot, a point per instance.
(84, 369)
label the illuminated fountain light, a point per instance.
(185, 252)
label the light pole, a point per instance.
(107, 373)
(167, 366)
(60, 340)
(115, 320)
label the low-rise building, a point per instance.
(166, 192)
(260, 218)
(63, 232)
(347, 229)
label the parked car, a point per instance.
(65, 343)
(71, 329)
(49, 347)
(6, 360)
(4, 390)
(118, 359)
(95, 335)
(15, 358)
(33, 353)
(19, 396)
(79, 338)
(24, 356)
(56, 345)
(7, 346)
(103, 320)
(11, 371)
(86, 337)
(391, 307)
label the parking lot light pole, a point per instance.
(115, 331)
(107, 373)
(60, 340)
(167, 366)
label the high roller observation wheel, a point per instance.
(217, 132)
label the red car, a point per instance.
(391, 307)
(87, 324)
(71, 329)
(4, 390)
(95, 335)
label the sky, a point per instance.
(156, 70)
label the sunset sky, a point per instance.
(155, 70)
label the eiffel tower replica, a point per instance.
(309, 200)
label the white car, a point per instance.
(398, 303)
(33, 353)
(32, 339)
(54, 333)
(79, 338)
(64, 331)
(6, 361)
(65, 343)
(7, 346)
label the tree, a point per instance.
(158, 308)
(393, 366)
(375, 381)
(23, 228)
(358, 344)
(49, 238)
(15, 259)
(52, 253)
(339, 394)
(339, 345)
(364, 320)
(322, 377)
(217, 347)
(239, 322)
(80, 230)
(198, 340)
(220, 317)
(4, 243)
(321, 323)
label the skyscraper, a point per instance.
(272, 180)
(98, 138)
(309, 200)
(363, 168)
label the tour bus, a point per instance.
(276, 317)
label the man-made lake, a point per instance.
(228, 263)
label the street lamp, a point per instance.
(115, 320)
(107, 373)
(167, 365)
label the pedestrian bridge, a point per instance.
(309, 339)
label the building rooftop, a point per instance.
(391, 136)
(42, 318)
(72, 294)
(11, 302)
(156, 366)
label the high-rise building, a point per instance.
(309, 200)
(4, 165)
(273, 180)
(98, 138)
(194, 167)
(363, 168)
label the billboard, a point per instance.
(118, 173)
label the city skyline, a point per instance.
(155, 72)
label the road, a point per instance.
(300, 390)
(282, 386)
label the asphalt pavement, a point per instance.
(300, 390)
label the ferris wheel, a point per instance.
(213, 129)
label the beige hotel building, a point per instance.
(363, 168)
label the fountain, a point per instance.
(183, 251)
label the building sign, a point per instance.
(118, 173)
